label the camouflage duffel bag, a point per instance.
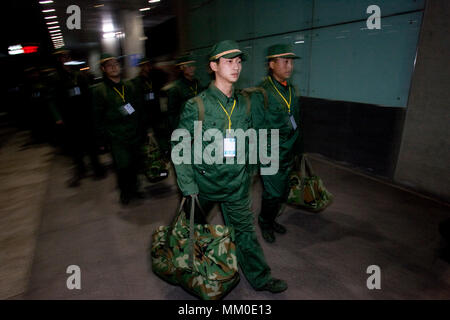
(307, 189)
(199, 258)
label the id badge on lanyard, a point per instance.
(150, 96)
(293, 123)
(75, 91)
(229, 146)
(128, 109)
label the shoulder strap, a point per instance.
(251, 90)
(201, 107)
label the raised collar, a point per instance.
(219, 95)
(278, 84)
(111, 83)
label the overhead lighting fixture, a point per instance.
(74, 63)
(52, 22)
(144, 9)
(153, 1)
(48, 10)
(109, 35)
(53, 27)
(57, 38)
(53, 31)
(16, 49)
(108, 27)
(82, 69)
(99, 5)
(51, 17)
(46, 2)
(300, 41)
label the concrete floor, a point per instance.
(45, 227)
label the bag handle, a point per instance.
(304, 166)
(191, 227)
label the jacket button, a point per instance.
(203, 172)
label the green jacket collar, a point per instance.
(219, 95)
(111, 83)
(278, 84)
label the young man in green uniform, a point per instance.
(181, 90)
(282, 113)
(118, 119)
(73, 103)
(223, 108)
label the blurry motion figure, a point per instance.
(282, 113)
(75, 108)
(119, 125)
(40, 112)
(148, 86)
(181, 90)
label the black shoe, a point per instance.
(267, 232)
(278, 228)
(274, 286)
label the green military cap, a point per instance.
(281, 51)
(226, 49)
(184, 60)
(144, 60)
(105, 57)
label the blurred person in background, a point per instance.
(119, 124)
(76, 118)
(181, 90)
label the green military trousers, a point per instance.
(276, 186)
(275, 193)
(249, 253)
(127, 163)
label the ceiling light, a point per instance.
(108, 27)
(52, 22)
(144, 9)
(53, 27)
(153, 1)
(48, 10)
(109, 35)
(53, 31)
(46, 2)
(51, 17)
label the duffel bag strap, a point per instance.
(191, 233)
(172, 224)
(308, 166)
(192, 229)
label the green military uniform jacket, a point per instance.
(216, 182)
(178, 93)
(275, 115)
(148, 92)
(73, 101)
(113, 123)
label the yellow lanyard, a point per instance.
(195, 90)
(228, 115)
(288, 104)
(122, 95)
(150, 86)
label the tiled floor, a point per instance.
(323, 256)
